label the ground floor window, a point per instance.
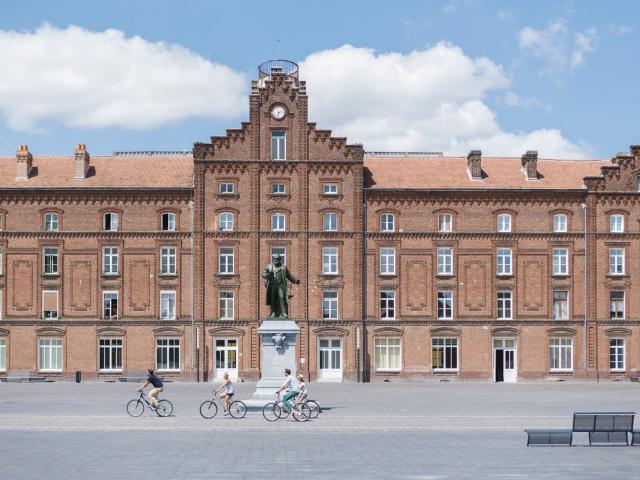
(110, 354)
(50, 354)
(387, 352)
(3, 354)
(444, 353)
(561, 354)
(616, 354)
(168, 354)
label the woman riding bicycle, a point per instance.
(228, 392)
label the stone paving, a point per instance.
(384, 430)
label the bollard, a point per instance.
(78, 376)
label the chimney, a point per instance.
(24, 160)
(530, 164)
(474, 165)
(82, 161)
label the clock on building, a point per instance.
(278, 112)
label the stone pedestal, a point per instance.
(277, 352)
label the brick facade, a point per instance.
(457, 267)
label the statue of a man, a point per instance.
(276, 275)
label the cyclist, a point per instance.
(302, 388)
(289, 388)
(155, 391)
(228, 392)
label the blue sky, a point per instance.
(559, 77)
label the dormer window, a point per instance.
(278, 145)
(560, 222)
(387, 222)
(51, 222)
(110, 222)
(330, 188)
(616, 223)
(445, 222)
(504, 222)
(168, 222)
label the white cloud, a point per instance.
(90, 79)
(619, 30)
(511, 99)
(431, 99)
(557, 47)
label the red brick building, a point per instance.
(412, 265)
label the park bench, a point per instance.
(20, 376)
(635, 437)
(604, 427)
(549, 436)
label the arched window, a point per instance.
(445, 222)
(616, 223)
(504, 222)
(110, 222)
(51, 222)
(560, 222)
(278, 222)
(387, 222)
(168, 222)
(330, 221)
(225, 221)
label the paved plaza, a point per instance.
(383, 430)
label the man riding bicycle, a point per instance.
(155, 391)
(290, 388)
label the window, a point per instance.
(110, 260)
(560, 354)
(110, 304)
(560, 305)
(51, 222)
(278, 221)
(1, 258)
(50, 354)
(227, 187)
(168, 261)
(445, 261)
(278, 188)
(445, 222)
(504, 305)
(330, 260)
(616, 261)
(561, 261)
(330, 188)
(387, 352)
(225, 221)
(444, 353)
(110, 354)
(330, 304)
(616, 223)
(168, 354)
(330, 221)
(278, 145)
(225, 261)
(387, 222)
(616, 305)
(168, 305)
(560, 222)
(168, 222)
(638, 183)
(616, 354)
(388, 304)
(504, 222)
(445, 304)
(50, 261)
(226, 300)
(50, 304)
(282, 251)
(3, 354)
(1, 222)
(387, 261)
(504, 261)
(110, 222)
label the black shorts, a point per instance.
(229, 395)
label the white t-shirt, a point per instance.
(290, 384)
(228, 388)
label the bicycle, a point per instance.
(209, 409)
(276, 410)
(313, 406)
(136, 407)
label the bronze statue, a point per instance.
(276, 275)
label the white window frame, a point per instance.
(560, 222)
(51, 222)
(504, 222)
(445, 222)
(387, 261)
(617, 354)
(278, 188)
(226, 261)
(385, 343)
(226, 188)
(278, 222)
(109, 254)
(446, 344)
(616, 260)
(168, 259)
(557, 354)
(329, 188)
(504, 261)
(160, 345)
(57, 305)
(557, 312)
(281, 250)
(50, 362)
(560, 260)
(226, 304)
(388, 304)
(170, 307)
(104, 304)
(387, 222)
(622, 312)
(504, 305)
(3, 354)
(444, 296)
(170, 222)
(48, 261)
(330, 222)
(1, 262)
(113, 223)
(330, 261)
(445, 260)
(616, 223)
(226, 221)
(110, 349)
(278, 145)
(330, 305)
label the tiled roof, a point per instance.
(120, 171)
(439, 172)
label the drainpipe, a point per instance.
(586, 287)
(193, 278)
(362, 357)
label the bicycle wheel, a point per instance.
(165, 409)
(284, 410)
(237, 409)
(305, 412)
(135, 408)
(271, 412)
(208, 409)
(314, 407)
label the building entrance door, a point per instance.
(226, 357)
(504, 360)
(330, 359)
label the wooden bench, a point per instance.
(549, 436)
(604, 427)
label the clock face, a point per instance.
(278, 112)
